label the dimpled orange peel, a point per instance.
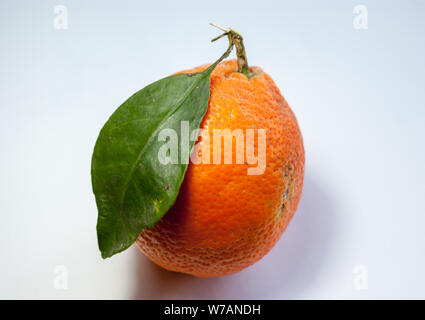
(225, 219)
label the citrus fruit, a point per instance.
(224, 219)
(227, 207)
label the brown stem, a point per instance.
(237, 40)
(240, 53)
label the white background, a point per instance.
(358, 96)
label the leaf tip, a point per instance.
(105, 255)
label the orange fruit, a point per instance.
(224, 220)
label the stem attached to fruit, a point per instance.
(237, 40)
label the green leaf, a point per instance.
(133, 189)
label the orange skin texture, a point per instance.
(225, 220)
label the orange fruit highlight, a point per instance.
(225, 220)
